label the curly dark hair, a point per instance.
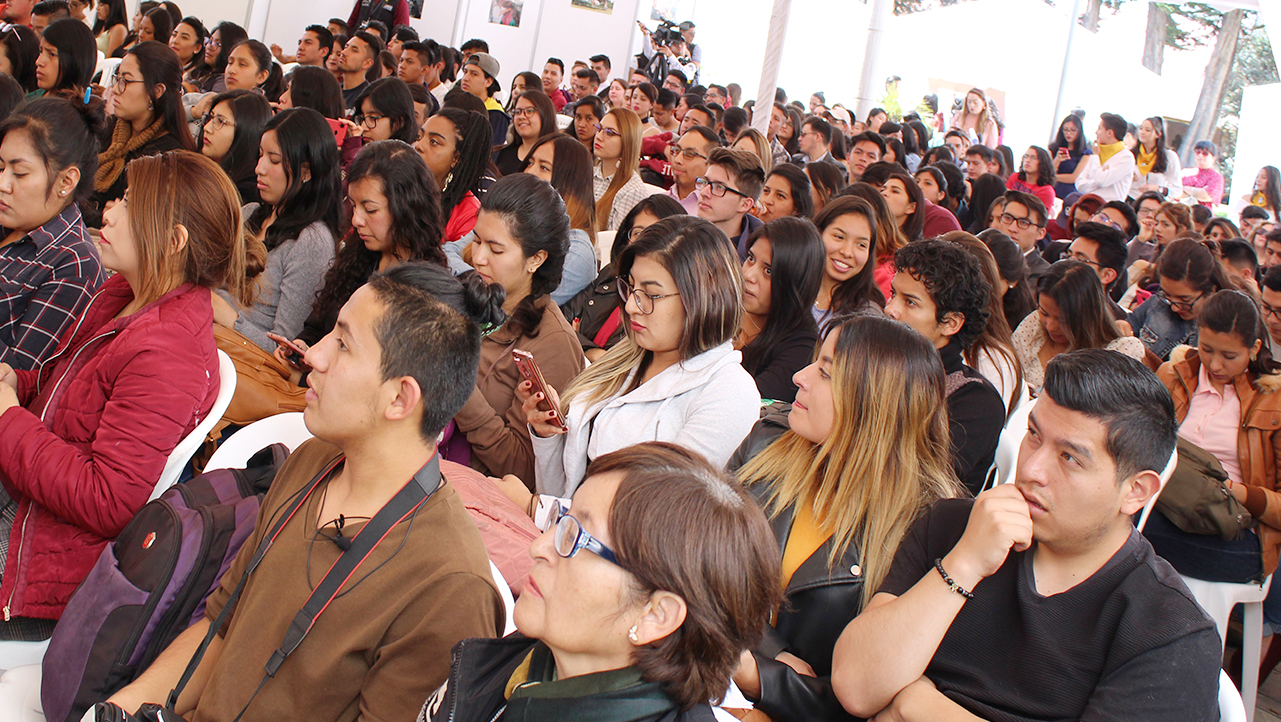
(416, 224)
(954, 281)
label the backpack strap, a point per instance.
(404, 504)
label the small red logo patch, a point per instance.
(148, 540)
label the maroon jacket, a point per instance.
(96, 425)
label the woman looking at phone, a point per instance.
(519, 248)
(675, 377)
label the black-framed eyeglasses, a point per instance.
(644, 301)
(368, 122)
(1022, 223)
(1176, 305)
(1078, 256)
(690, 154)
(1267, 310)
(610, 132)
(718, 188)
(213, 43)
(121, 84)
(569, 537)
(518, 112)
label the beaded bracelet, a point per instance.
(938, 564)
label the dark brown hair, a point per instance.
(680, 525)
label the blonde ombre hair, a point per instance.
(885, 459)
(710, 283)
(629, 130)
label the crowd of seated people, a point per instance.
(748, 384)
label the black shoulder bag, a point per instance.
(403, 505)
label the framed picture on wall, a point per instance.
(505, 12)
(415, 8)
(600, 6)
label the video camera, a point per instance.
(667, 33)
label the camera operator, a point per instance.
(666, 49)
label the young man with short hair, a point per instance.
(814, 138)
(553, 73)
(417, 68)
(864, 149)
(47, 11)
(1024, 220)
(1270, 293)
(676, 81)
(978, 159)
(698, 115)
(471, 47)
(18, 12)
(716, 95)
(958, 142)
(728, 192)
(1240, 261)
(1102, 248)
(1271, 249)
(939, 290)
(1251, 216)
(1039, 599)
(584, 83)
(314, 46)
(664, 115)
(689, 163)
(400, 35)
(480, 78)
(396, 368)
(1108, 171)
(602, 66)
(360, 54)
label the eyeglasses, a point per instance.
(368, 122)
(610, 132)
(1078, 256)
(1105, 220)
(1269, 310)
(216, 122)
(210, 42)
(717, 188)
(690, 154)
(121, 84)
(1022, 223)
(518, 112)
(569, 537)
(1178, 305)
(644, 301)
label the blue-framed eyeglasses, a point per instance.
(569, 537)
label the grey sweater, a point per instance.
(295, 271)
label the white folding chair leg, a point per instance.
(1231, 708)
(1251, 655)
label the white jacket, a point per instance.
(1110, 181)
(706, 404)
(1171, 179)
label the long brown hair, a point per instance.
(185, 189)
(629, 128)
(885, 459)
(572, 179)
(997, 338)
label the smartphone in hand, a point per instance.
(293, 352)
(528, 368)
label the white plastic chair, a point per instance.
(1007, 446)
(20, 694)
(604, 245)
(505, 591)
(183, 452)
(654, 190)
(1166, 473)
(1231, 707)
(1218, 599)
(288, 429)
(17, 654)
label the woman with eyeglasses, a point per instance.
(596, 311)
(842, 474)
(1188, 274)
(383, 111)
(147, 110)
(297, 177)
(230, 136)
(618, 185)
(533, 116)
(786, 194)
(674, 377)
(218, 46)
(641, 600)
(1035, 176)
(1072, 313)
(781, 278)
(110, 26)
(848, 227)
(1206, 185)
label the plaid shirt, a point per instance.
(46, 280)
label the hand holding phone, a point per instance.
(543, 398)
(291, 352)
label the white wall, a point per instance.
(1256, 140)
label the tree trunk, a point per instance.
(1154, 38)
(1091, 18)
(1214, 86)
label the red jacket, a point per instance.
(96, 424)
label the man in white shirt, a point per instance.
(1109, 171)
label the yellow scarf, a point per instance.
(1145, 159)
(1109, 150)
(1258, 199)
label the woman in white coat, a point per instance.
(675, 377)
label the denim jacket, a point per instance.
(1160, 328)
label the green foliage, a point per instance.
(890, 102)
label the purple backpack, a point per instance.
(151, 583)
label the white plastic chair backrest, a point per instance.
(108, 68)
(16, 654)
(1007, 446)
(505, 591)
(563, 121)
(654, 190)
(288, 429)
(1166, 473)
(1231, 708)
(604, 246)
(183, 452)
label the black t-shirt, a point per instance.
(1129, 643)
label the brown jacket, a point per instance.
(492, 419)
(1258, 443)
(382, 646)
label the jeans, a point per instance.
(1203, 556)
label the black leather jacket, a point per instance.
(818, 602)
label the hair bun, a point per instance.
(483, 301)
(93, 113)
